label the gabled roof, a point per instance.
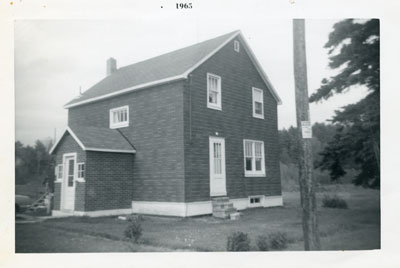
(98, 139)
(169, 67)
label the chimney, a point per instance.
(111, 66)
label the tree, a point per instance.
(354, 51)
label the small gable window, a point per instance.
(236, 46)
(258, 103)
(213, 91)
(254, 164)
(119, 117)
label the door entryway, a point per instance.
(217, 167)
(68, 184)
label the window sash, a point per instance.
(258, 103)
(81, 170)
(119, 117)
(213, 91)
(254, 157)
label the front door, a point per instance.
(217, 167)
(69, 182)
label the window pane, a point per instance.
(213, 97)
(257, 95)
(248, 163)
(258, 107)
(258, 149)
(258, 164)
(248, 149)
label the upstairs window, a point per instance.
(236, 46)
(254, 163)
(119, 117)
(214, 91)
(258, 103)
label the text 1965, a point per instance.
(184, 5)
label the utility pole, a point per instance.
(306, 181)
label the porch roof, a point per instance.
(98, 139)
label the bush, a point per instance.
(334, 202)
(276, 241)
(262, 243)
(238, 241)
(134, 229)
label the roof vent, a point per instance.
(111, 66)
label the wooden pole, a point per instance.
(306, 181)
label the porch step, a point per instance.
(222, 207)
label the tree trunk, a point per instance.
(306, 181)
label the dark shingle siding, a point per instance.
(235, 122)
(156, 131)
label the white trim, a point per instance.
(217, 179)
(97, 213)
(191, 69)
(126, 90)
(82, 180)
(69, 130)
(187, 72)
(58, 181)
(218, 105)
(114, 125)
(181, 209)
(110, 150)
(261, 71)
(64, 183)
(254, 173)
(255, 115)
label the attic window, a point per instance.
(236, 46)
(119, 117)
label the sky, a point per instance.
(54, 59)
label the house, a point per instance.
(168, 135)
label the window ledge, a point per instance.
(58, 181)
(214, 107)
(119, 126)
(254, 175)
(80, 180)
(258, 116)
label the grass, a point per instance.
(351, 229)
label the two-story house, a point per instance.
(167, 135)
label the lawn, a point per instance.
(355, 228)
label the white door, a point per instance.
(69, 182)
(217, 167)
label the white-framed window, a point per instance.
(81, 170)
(254, 158)
(236, 46)
(59, 172)
(255, 201)
(214, 91)
(119, 117)
(258, 103)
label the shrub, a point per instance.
(334, 202)
(274, 241)
(277, 241)
(262, 243)
(238, 241)
(134, 229)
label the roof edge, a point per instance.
(126, 90)
(69, 130)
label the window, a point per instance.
(236, 46)
(119, 117)
(59, 172)
(254, 164)
(81, 170)
(258, 103)
(213, 91)
(255, 201)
